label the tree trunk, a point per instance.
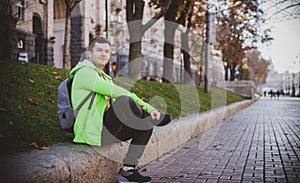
(171, 23)
(134, 17)
(135, 58)
(186, 56)
(168, 54)
(67, 56)
(70, 5)
(201, 61)
(232, 73)
(169, 34)
(185, 43)
(226, 72)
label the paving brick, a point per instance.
(258, 144)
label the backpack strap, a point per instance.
(91, 94)
(92, 100)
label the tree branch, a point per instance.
(157, 16)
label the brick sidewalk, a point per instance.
(258, 144)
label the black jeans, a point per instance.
(126, 120)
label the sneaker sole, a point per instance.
(121, 179)
(131, 182)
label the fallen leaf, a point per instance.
(51, 101)
(57, 77)
(54, 73)
(31, 81)
(22, 63)
(72, 149)
(36, 146)
(33, 101)
(44, 148)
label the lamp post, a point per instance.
(226, 70)
(298, 75)
(293, 85)
(181, 59)
(106, 32)
(210, 38)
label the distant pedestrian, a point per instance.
(278, 93)
(271, 93)
(114, 68)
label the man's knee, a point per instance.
(128, 102)
(123, 99)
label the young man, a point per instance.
(129, 117)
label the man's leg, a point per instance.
(126, 120)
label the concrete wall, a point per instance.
(245, 88)
(82, 163)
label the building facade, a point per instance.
(41, 30)
(33, 41)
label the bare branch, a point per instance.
(157, 16)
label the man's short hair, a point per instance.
(99, 39)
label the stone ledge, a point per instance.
(81, 163)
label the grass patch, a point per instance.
(28, 103)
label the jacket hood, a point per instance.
(85, 63)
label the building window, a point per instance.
(20, 10)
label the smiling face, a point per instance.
(100, 54)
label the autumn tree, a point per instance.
(258, 67)
(185, 21)
(172, 19)
(237, 32)
(197, 33)
(134, 18)
(192, 18)
(70, 5)
(185, 13)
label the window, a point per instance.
(20, 10)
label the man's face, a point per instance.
(100, 54)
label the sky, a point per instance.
(284, 50)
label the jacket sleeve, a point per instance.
(91, 80)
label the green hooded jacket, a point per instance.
(88, 124)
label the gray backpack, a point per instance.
(66, 113)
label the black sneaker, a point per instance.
(132, 176)
(163, 120)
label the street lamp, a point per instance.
(293, 85)
(237, 72)
(226, 70)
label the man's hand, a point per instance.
(155, 115)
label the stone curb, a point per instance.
(82, 163)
